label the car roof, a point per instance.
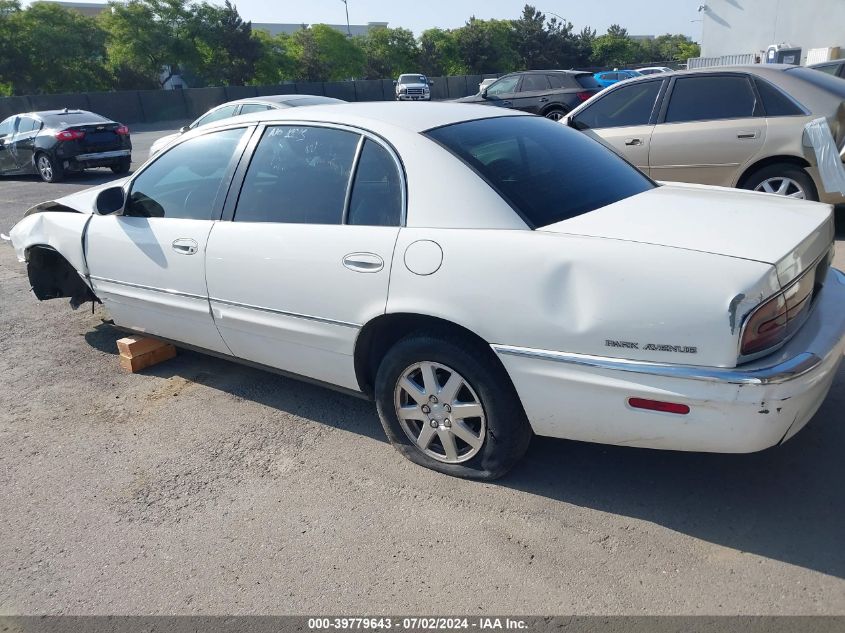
(286, 99)
(378, 115)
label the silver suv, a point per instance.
(413, 87)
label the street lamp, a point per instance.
(348, 31)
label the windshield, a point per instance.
(547, 171)
(412, 79)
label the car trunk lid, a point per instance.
(99, 137)
(789, 234)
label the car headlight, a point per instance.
(403, 90)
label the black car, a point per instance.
(834, 67)
(549, 93)
(55, 142)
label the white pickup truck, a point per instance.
(413, 87)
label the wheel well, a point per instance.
(51, 276)
(555, 106)
(771, 160)
(380, 334)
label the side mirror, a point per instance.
(184, 129)
(484, 93)
(110, 201)
(430, 82)
(395, 82)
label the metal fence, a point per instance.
(724, 60)
(152, 106)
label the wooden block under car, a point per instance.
(137, 353)
(131, 346)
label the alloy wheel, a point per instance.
(782, 186)
(440, 412)
(45, 167)
(555, 115)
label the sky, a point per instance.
(640, 17)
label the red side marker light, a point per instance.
(658, 405)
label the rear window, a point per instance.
(546, 171)
(65, 119)
(832, 84)
(588, 82)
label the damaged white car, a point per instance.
(483, 275)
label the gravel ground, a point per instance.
(203, 487)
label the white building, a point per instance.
(739, 27)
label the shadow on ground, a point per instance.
(89, 178)
(786, 503)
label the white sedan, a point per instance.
(483, 275)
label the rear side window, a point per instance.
(555, 81)
(775, 102)
(298, 175)
(184, 181)
(830, 69)
(249, 108)
(625, 106)
(534, 82)
(26, 125)
(377, 191)
(710, 99)
(546, 171)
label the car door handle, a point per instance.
(543, 99)
(507, 104)
(748, 135)
(363, 262)
(185, 246)
(634, 141)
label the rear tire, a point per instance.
(49, 168)
(783, 179)
(483, 415)
(555, 114)
(122, 167)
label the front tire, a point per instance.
(49, 168)
(446, 404)
(783, 179)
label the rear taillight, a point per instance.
(585, 94)
(122, 131)
(773, 321)
(70, 135)
(658, 405)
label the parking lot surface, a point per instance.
(201, 486)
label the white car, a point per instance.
(482, 274)
(244, 106)
(654, 70)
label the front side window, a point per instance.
(216, 115)
(622, 107)
(710, 99)
(184, 182)
(546, 171)
(377, 191)
(298, 175)
(503, 86)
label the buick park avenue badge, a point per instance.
(652, 347)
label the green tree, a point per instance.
(388, 52)
(145, 37)
(226, 52)
(438, 53)
(275, 63)
(486, 46)
(29, 39)
(325, 54)
(615, 48)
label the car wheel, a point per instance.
(555, 114)
(49, 168)
(122, 167)
(448, 405)
(783, 179)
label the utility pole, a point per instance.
(348, 31)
